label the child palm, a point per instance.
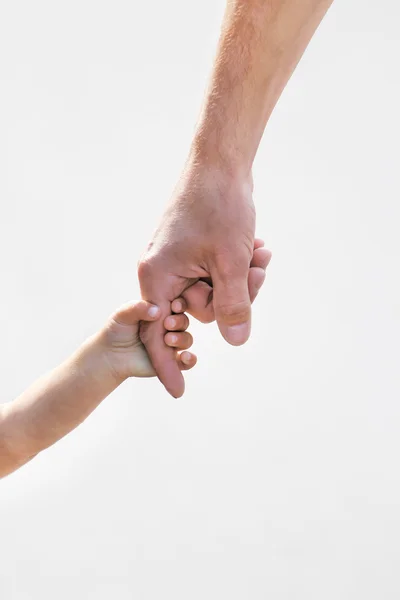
(124, 340)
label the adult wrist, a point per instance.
(219, 158)
(217, 168)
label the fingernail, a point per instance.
(153, 311)
(186, 357)
(260, 283)
(173, 339)
(172, 322)
(238, 334)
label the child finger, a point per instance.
(182, 340)
(133, 312)
(261, 258)
(178, 305)
(176, 323)
(186, 360)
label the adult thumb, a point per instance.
(232, 305)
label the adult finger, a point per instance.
(199, 297)
(199, 304)
(261, 258)
(231, 299)
(256, 280)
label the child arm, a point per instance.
(62, 399)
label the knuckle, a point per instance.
(231, 264)
(232, 314)
(145, 268)
(225, 272)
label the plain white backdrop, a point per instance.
(276, 476)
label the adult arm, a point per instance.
(260, 45)
(207, 231)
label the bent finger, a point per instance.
(182, 340)
(232, 303)
(261, 258)
(186, 361)
(255, 280)
(176, 322)
(133, 312)
(155, 286)
(199, 302)
(179, 305)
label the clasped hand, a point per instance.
(205, 252)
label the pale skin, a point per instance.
(202, 249)
(61, 400)
(204, 252)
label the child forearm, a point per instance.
(59, 401)
(55, 404)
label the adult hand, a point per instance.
(206, 236)
(199, 297)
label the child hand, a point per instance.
(124, 349)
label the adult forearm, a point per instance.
(54, 405)
(260, 45)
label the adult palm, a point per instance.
(205, 251)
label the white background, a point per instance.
(277, 475)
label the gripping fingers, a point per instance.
(186, 360)
(261, 258)
(181, 340)
(177, 337)
(178, 305)
(133, 312)
(258, 243)
(176, 323)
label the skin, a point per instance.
(205, 240)
(61, 400)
